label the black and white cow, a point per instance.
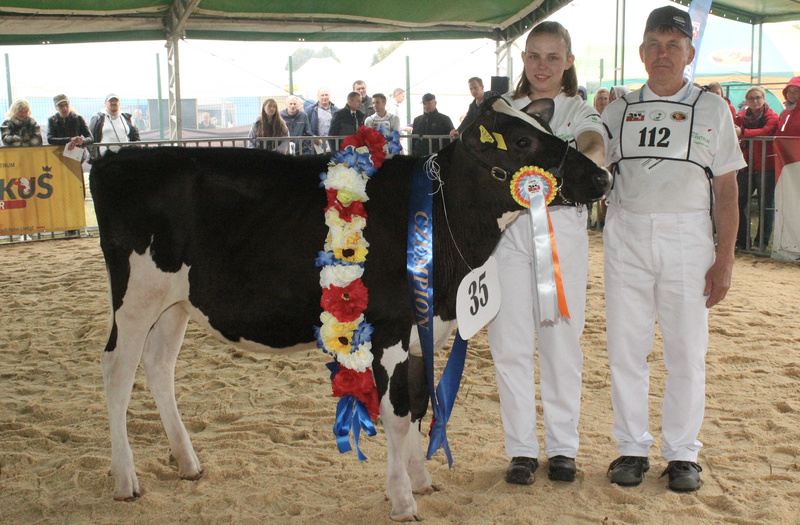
(228, 237)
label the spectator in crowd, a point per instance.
(138, 120)
(112, 125)
(660, 260)
(600, 102)
(206, 123)
(548, 73)
(617, 92)
(397, 98)
(789, 120)
(366, 107)
(20, 129)
(269, 124)
(476, 90)
(347, 120)
(431, 122)
(66, 126)
(382, 119)
(297, 122)
(320, 116)
(601, 99)
(583, 93)
(716, 88)
(758, 120)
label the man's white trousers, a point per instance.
(655, 267)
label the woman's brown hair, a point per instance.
(271, 128)
(569, 81)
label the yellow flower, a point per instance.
(353, 255)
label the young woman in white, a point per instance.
(549, 74)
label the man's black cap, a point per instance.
(669, 16)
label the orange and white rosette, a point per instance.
(535, 188)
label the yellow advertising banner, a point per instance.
(40, 191)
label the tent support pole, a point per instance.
(173, 66)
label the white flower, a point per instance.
(339, 275)
(340, 177)
(349, 236)
(359, 360)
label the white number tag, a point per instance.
(478, 299)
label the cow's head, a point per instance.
(502, 140)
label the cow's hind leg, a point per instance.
(418, 397)
(119, 369)
(159, 358)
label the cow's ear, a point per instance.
(541, 109)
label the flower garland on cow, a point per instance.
(345, 334)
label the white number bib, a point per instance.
(478, 299)
(656, 130)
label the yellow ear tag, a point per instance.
(486, 136)
(501, 144)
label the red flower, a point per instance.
(360, 385)
(345, 212)
(347, 303)
(373, 139)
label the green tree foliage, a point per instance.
(303, 54)
(385, 51)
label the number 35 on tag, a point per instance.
(478, 299)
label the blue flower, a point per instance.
(347, 156)
(362, 334)
(324, 259)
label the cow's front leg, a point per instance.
(397, 424)
(159, 358)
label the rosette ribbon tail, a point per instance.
(351, 415)
(446, 393)
(546, 288)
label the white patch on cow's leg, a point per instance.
(420, 478)
(160, 354)
(442, 330)
(119, 369)
(149, 292)
(398, 484)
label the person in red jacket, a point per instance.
(789, 122)
(757, 120)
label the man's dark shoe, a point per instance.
(520, 470)
(628, 471)
(561, 468)
(684, 476)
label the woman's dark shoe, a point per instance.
(561, 468)
(520, 470)
(628, 471)
(684, 476)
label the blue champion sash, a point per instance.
(419, 264)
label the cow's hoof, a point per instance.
(407, 518)
(194, 477)
(426, 491)
(136, 495)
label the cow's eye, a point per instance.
(524, 142)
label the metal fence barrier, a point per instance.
(294, 147)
